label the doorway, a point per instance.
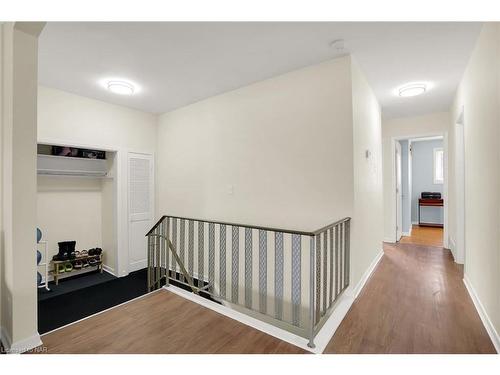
(420, 185)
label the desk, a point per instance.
(428, 202)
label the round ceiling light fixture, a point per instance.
(412, 89)
(120, 87)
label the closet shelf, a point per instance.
(68, 166)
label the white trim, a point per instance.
(392, 192)
(108, 269)
(490, 328)
(324, 335)
(389, 240)
(245, 319)
(356, 290)
(20, 346)
(100, 312)
(407, 234)
(434, 138)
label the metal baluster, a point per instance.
(158, 265)
(201, 253)
(311, 292)
(248, 268)
(222, 260)
(182, 244)
(325, 269)
(336, 261)
(166, 228)
(235, 264)
(341, 283)
(149, 263)
(174, 243)
(191, 248)
(348, 252)
(162, 252)
(296, 279)
(211, 256)
(262, 271)
(318, 277)
(331, 268)
(278, 279)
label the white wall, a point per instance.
(65, 118)
(479, 96)
(367, 226)
(406, 127)
(286, 152)
(69, 209)
(284, 145)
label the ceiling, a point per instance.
(176, 64)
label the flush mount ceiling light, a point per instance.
(412, 89)
(120, 87)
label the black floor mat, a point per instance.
(69, 307)
(74, 283)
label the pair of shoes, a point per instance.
(84, 254)
(85, 263)
(64, 267)
(66, 248)
(60, 257)
(95, 251)
(93, 262)
(78, 265)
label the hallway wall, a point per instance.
(479, 96)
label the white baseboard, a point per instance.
(20, 346)
(406, 234)
(109, 269)
(389, 240)
(495, 338)
(354, 292)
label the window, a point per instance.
(438, 166)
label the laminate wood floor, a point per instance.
(428, 236)
(414, 302)
(162, 322)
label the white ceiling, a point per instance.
(176, 64)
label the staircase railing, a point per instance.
(291, 279)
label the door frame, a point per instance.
(398, 190)
(459, 250)
(394, 139)
(151, 155)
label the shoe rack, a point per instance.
(59, 266)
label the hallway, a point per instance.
(415, 302)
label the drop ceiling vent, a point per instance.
(69, 166)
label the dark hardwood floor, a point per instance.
(415, 302)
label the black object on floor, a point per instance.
(55, 312)
(74, 283)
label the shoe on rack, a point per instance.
(60, 268)
(68, 267)
(78, 265)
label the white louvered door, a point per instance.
(140, 207)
